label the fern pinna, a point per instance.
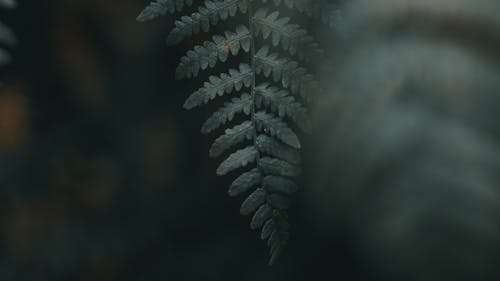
(7, 37)
(271, 84)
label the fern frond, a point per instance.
(278, 167)
(278, 238)
(219, 48)
(209, 14)
(225, 83)
(227, 112)
(263, 213)
(276, 128)
(254, 201)
(276, 231)
(245, 182)
(287, 71)
(272, 147)
(160, 8)
(269, 143)
(232, 137)
(239, 159)
(291, 37)
(267, 229)
(279, 185)
(280, 101)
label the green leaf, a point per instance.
(276, 184)
(244, 182)
(160, 8)
(254, 201)
(232, 137)
(273, 166)
(239, 159)
(224, 84)
(286, 71)
(277, 231)
(208, 14)
(272, 147)
(262, 214)
(276, 250)
(202, 57)
(291, 37)
(227, 112)
(267, 229)
(280, 101)
(276, 127)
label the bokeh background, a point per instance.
(103, 175)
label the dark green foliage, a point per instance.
(277, 128)
(286, 71)
(161, 7)
(279, 185)
(244, 182)
(226, 113)
(267, 229)
(208, 14)
(279, 101)
(240, 158)
(224, 84)
(265, 139)
(264, 213)
(277, 149)
(290, 36)
(273, 166)
(207, 55)
(231, 138)
(257, 198)
(7, 37)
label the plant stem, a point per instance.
(252, 65)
